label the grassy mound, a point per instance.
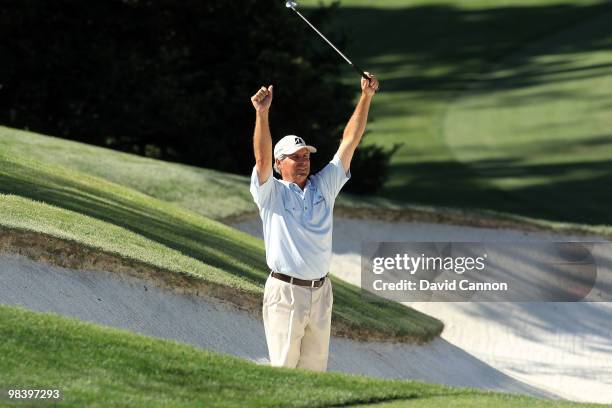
(210, 193)
(96, 366)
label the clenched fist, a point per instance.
(369, 87)
(262, 99)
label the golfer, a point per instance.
(296, 212)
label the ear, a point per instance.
(278, 167)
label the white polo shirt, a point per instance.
(297, 225)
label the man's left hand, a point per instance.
(369, 87)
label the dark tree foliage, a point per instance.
(173, 79)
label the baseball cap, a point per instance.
(291, 144)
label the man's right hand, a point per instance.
(262, 99)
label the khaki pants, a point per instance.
(297, 321)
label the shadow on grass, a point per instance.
(209, 242)
(363, 310)
(433, 53)
(449, 183)
(464, 42)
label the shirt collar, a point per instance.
(295, 187)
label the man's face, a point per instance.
(295, 167)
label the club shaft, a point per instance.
(331, 45)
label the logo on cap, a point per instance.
(298, 141)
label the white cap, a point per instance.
(291, 144)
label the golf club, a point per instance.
(292, 5)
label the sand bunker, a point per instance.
(565, 348)
(137, 305)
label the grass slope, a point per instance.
(207, 192)
(427, 53)
(96, 366)
(65, 203)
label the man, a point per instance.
(296, 212)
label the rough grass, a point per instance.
(95, 366)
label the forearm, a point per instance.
(355, 127)
(262, 140)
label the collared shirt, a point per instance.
(297, 225)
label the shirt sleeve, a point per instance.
(263, 193)
(332, 178)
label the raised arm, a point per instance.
(356, 125)
(262, 139)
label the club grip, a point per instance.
(361, 72)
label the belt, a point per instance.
(317, 283)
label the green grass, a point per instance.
(96, 366)
(210, 193)
(69, 204)
(469, 401)
(544, 141)
(428, 54)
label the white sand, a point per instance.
(565, 348)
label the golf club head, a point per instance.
(291, 4)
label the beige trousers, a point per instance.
(297, 322)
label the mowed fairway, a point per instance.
(543, 130)
(462, 81)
